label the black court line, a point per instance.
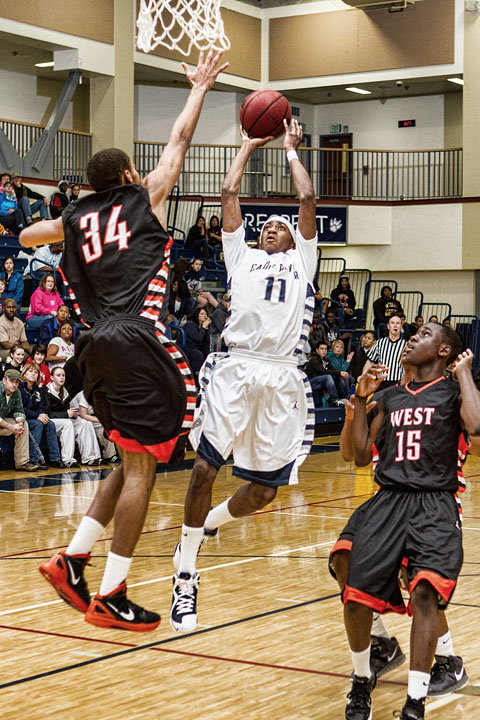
(147, 646)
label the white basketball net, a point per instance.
(179, 24)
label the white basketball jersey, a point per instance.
(272, 296)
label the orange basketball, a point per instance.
(262, 113)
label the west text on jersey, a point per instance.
(412, 416)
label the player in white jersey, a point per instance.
(254, 400)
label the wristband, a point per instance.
(291, 155)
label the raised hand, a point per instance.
(253, 143)
(371, 380)
(464, 362)
(204, 75)
(293, 135)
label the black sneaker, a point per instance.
(183, 613)
(359, 706)
(57, 464)
(385, 655)
(65, 573)
(448, 675)
(412, 710)
(115, 610)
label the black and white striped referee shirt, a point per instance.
(389, 352)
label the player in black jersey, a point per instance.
(116, 262)
(415, 513)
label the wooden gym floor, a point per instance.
(270, 643)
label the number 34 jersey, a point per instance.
(418, 440)
(272, 296)
(114, 251)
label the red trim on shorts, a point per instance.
(351, 594)
(161, 451)
(442, 585)
(428, 385)
(341, 545)
(405, 562)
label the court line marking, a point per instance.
(310, 515)
(169, 577)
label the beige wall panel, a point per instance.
(84, 18)
(351, 41)
(453, 120)
(244, 56)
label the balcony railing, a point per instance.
(336, 173)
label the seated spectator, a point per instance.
(214, 232)
(197, 339)
(321, 375)
(180, 302)
(194, 279)
(86, 412)
(13, 281)
(447, 323)
(13, 420)
(359, 358)
(69, 425)
(334, 332)
(337, 360)
(44, 302)
(4, 177)
(45, 258)
(179, 270)
(321, 303)
(343, 294)
(384, 307)
(37, 356)
(24, 194)
(197, 238)
(415, 326)
(219, 318)
(2, 293)
(39, 423)
(60, 348)
(11, 216)
(50, 328)
(59, 200)
(15, 360)
(433, 318)
(74, 192)
(12, 330)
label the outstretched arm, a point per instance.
(161, 180)
(42, 233)
(231, 212)
(470, 407)
(307, 224)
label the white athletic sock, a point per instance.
(86, 536)
(361, 663)
(191, 539)
(218, 516)
(445, 645)
(418, 683)
(378, 628)
(116, 571)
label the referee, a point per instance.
(388, 351)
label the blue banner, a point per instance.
(331, 221)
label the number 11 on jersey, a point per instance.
(269, 289)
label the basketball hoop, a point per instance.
(179, 24)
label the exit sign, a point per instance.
(336, 128)
(406, 123)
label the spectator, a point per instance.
(44, 302)
(194, 279)
(58, 404)
(3, 179)
(11, 216)
(180, 302)
(74, 192)
(343, 294)
(50, 328)
(197, 338)
(15, 360)
(415, 326)
(214, 232)
(85, 412)
(388, 351)
(433, 318)
(37, 356)
(219, 318)
(447, 323)
(12, 330)
(197, 238)
(60, 348)
(2, 293)
(336, 360)
(179, 271)
(385, 307)
(39, 423)
(334, 332)
(24, 194)
(321, 375)
(59, 200)
(12, 420)
(45, 258)
(13, 281)
(359, 358)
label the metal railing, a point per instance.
(441, 310)
(336, 173)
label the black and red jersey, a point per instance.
(116, 253)
(419, 439)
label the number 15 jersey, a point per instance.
(272, 296)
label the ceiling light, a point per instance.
(45, 64)
(359, 91)
(458, 81)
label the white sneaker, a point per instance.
(183, 613)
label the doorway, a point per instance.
(336, 168)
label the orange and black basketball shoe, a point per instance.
(65, 573)
(115, 610)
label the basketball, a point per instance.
(262, 113)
